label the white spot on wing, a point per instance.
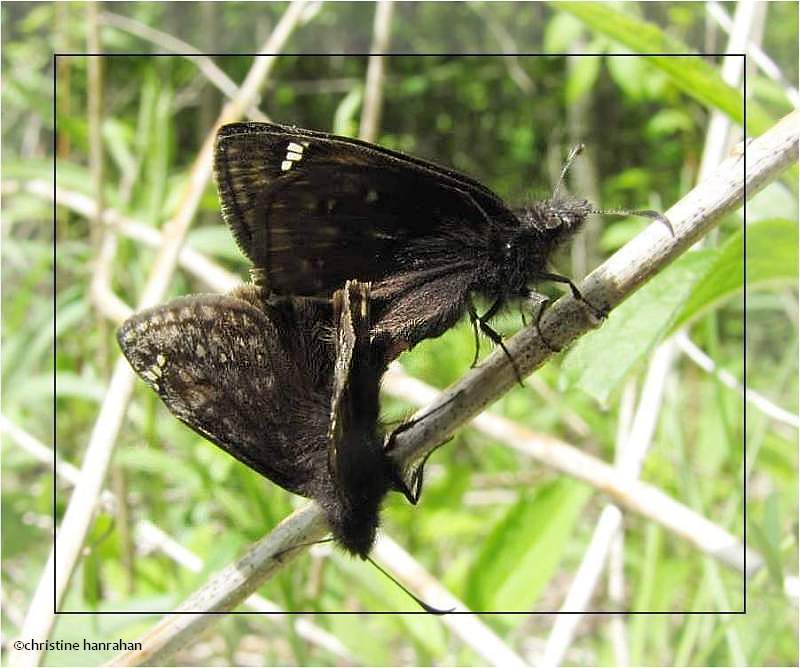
(294, 153)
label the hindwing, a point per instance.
(221, 366)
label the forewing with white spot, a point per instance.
(313, 210)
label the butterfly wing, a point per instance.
(305, 332)
(220, 365)
(312, 210)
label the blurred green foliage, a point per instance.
(498, 530)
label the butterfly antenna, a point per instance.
(427, 608)
(644, 213)
(574, 153)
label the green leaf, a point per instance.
(629, 74)
(561, 33)
(344, 120)
(214, 241)
(667, 122)
(18, 539)
(93, 563)
(117, 138)
(771, 257)
(69, 385)
(163, 464)
(620, 232)
(602, 359)
(775, 201)
(767, 536)
(158, 157)
(771, 251)
(524, 549)
(644, 588)
(237, 509)
(582, 77)
(690, 73)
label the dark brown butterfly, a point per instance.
(289, 388)
(311, 210)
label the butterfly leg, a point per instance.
(495, 336)
(413, 491)
(497, 339)
(492, 312)
(480, 323)
(600, 314)
(539, 303)
(474, 318)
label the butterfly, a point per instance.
(311, 210)
(289, 388)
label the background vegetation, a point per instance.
(493, 526)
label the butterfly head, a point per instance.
(557, 218)
(543, 226)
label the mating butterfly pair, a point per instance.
(284, 374)
(289, 388)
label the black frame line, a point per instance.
(744, 338)
(623, 613)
